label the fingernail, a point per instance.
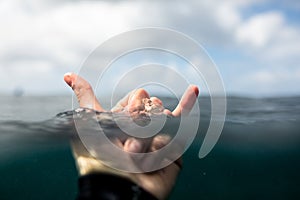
(68, 74)
(196, 91)
(68, 79)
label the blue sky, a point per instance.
(254, 43)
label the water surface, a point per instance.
(257, 156)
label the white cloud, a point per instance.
(48, 38)
(260, 29)
(270, 39)
(227, 16)
(34, 33)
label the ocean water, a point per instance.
(256, 157)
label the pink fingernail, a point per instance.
(197, 91)
(68, 74)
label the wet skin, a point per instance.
(137, 102)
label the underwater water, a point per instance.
(256, 157)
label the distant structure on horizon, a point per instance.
(18, 92)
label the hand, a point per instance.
(138, 102)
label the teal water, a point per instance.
(256, 157)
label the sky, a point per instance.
(254, 43)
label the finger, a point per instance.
(135, 145)
(156, 101)
(122, 103)
(84, 92)
(187, 101)
(167, 112)
(160, 141)
(132, 102)
(135, 101)
(166, 156)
